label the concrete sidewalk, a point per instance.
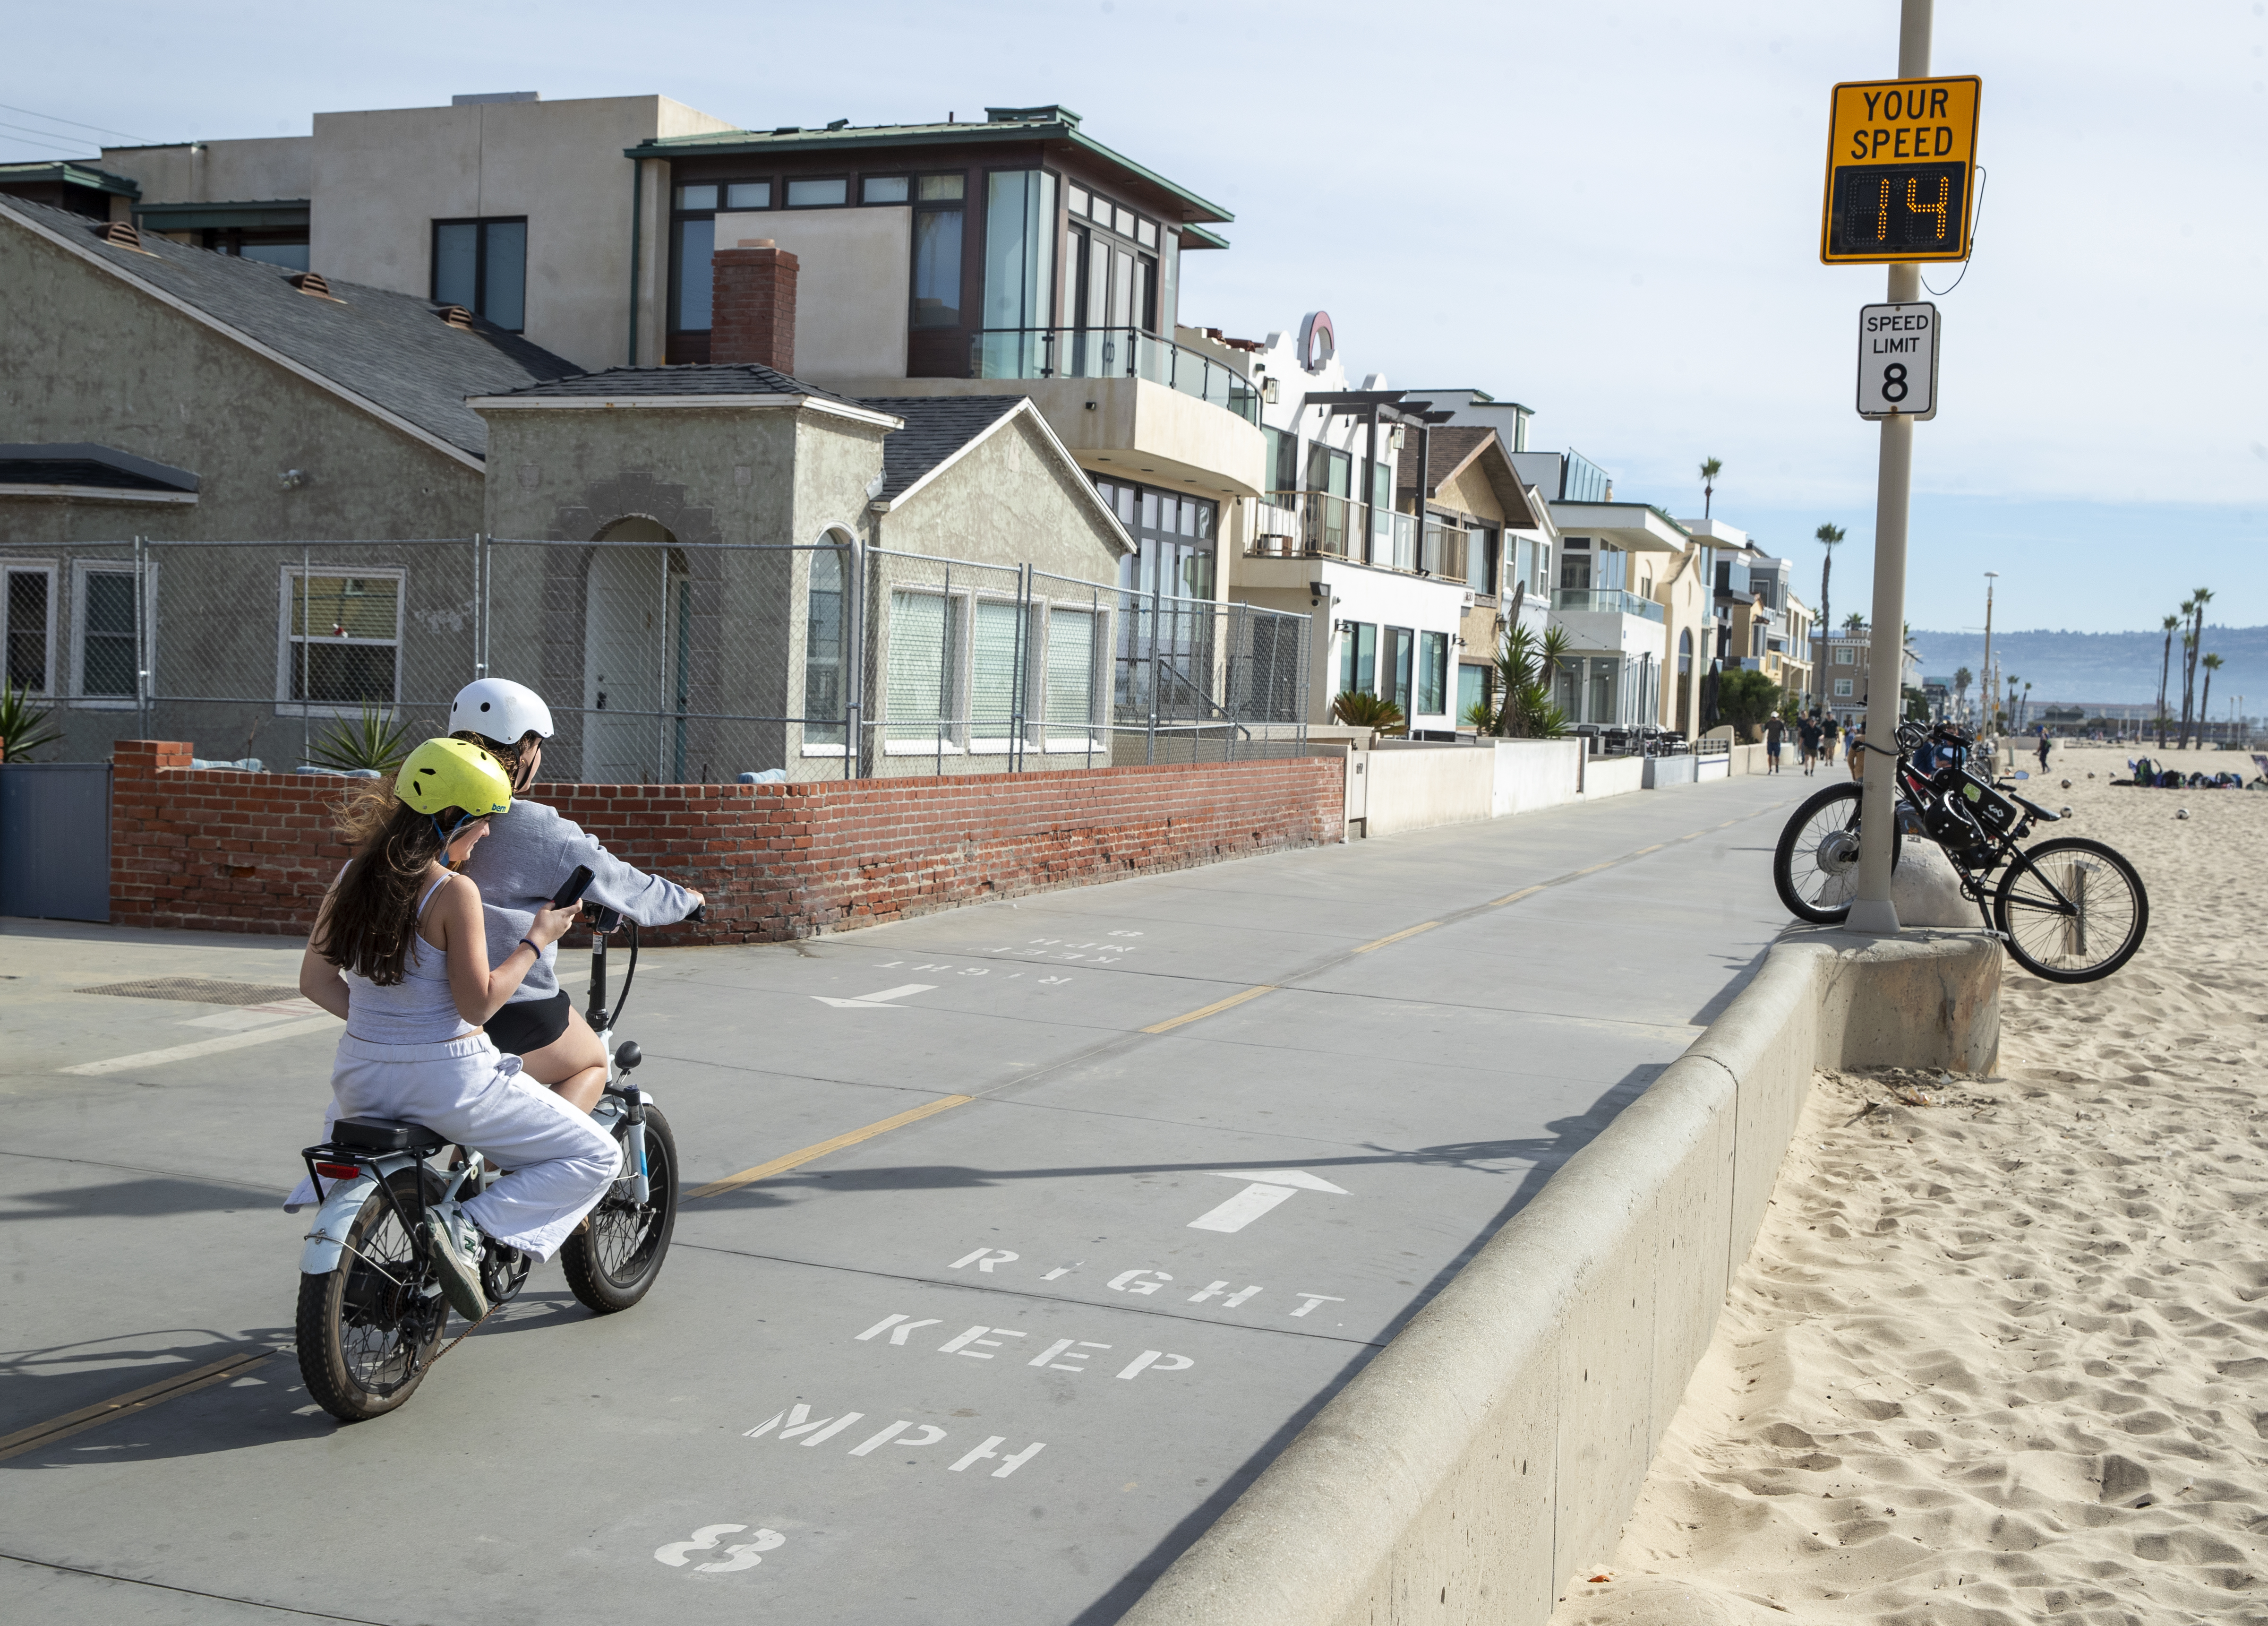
(1150, 1243)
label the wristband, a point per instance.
(532, 948)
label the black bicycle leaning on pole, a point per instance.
(2067, 910)
(370, 1310)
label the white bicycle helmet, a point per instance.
(500, 709)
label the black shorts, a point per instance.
(529, 1024)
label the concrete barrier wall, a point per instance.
(1416, 786)
(1498, 1443)
(1662, 773)
(1531, 774)
(1612, 776)
(1717, 767)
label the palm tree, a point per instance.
(1710, 468)
(2194, 644)
(2026, 712)
(2211, 664)
(2165, 670)
(1961, 679)
(1854, 623)
(1828, 535)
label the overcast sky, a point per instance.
(1607, 211)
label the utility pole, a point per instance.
(1873, 911)
(1985, 673)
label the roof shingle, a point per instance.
(390, 349)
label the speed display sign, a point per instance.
(1900, 166)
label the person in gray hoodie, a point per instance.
(529, 854)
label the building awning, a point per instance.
(273, 215)
(82, 468)
(1640, 527)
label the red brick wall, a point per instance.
(752, 306)
(254, 852)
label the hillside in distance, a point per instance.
(2117, 667)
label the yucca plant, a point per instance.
(25, 726)
(1359, 710)
(370, 741)
(1524, 666)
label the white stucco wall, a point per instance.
(262, 170)
(1416, 786)
(854, 284)
(1530, 774)
(380, 179)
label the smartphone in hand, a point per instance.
(567, 896)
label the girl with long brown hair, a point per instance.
(400, 952)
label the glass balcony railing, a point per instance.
(1112, 353)
(1605, 601)
(1321, 525)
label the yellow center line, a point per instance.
(1656, 847)
(1514, 897)
(1426, 926)
(133, 1399)
(781, 1165)
(1218, 1006)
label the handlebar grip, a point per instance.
(700, 911)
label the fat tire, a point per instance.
(609, 1293)
(323, 1361)
(2092, 973)
(1784, 854)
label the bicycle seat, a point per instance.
(2036, 810)
(386, 1134)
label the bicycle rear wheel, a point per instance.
(1815, 866)
(366, 1329)
(2071, 910)
(613, 1262)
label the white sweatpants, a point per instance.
(562, 1162)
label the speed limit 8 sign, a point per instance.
(1897, 360)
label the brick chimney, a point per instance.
(753, 318)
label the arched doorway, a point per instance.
(1684, 722)
(637, 633)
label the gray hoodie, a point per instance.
(524, 860)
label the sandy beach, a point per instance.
(2001, 1354)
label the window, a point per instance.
(1359, 657)
(748, 195)
(830, 194)
(483, 266)
(1480, 559)
(691, 292)
(1472, 689)
(1075, 200)
(1432, 673)
(340, 643)
(1394, 667)
(885, 190)
(697, 198)
(31, 627)
(922, 685)
(996, 668)
(107, 629)
(1574, 568)
(1846, 657)
(822, 652)
(938, 216)
(1020, 243)
(1843, 688)
(1072, 644)
(1283, 459)
(1330, 470)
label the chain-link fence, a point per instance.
(663, 661)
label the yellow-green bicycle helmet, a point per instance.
(453, 773)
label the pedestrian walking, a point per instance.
(1775, 730)
(1807, 735)
(2043, 749)
(1828, 730)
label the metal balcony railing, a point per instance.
(1112, 353)
(1606, 601)
(1323, 525)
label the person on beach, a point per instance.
(529, 851)
(401, 951)
(2043, 748)
(1775, 730)
(1808, 738)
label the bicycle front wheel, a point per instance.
(366, 1331)
(2071, 910)
(614, 1259)
(1815, 866)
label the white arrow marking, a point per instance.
(877, 1001)
(1269, 1187)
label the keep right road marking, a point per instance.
(1269, 1187)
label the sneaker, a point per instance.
(460, 1277)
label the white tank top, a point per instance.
(419, 1009)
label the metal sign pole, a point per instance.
(1872, 910)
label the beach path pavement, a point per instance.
(1018, 1238)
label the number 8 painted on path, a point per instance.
(742, 1555)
